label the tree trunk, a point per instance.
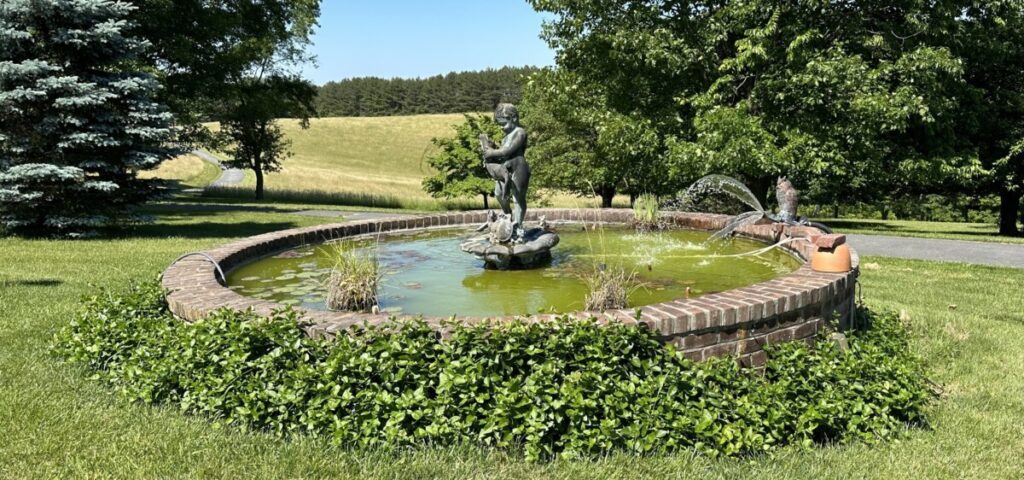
(835, 211)
(259, 183)
(607, 194)
(1009, 207)
(761, 188)
(486, 206)
(257, 168)
(885, 212)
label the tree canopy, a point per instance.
(581, 146)
(201, 48)
(832, 92)
(855, 101)
(989, 39)
(458, 161)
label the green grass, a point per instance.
(982, 232)
(324, 197)
(55, 423)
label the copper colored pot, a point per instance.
(832, 254)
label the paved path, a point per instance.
(228, 177)
(982, 253)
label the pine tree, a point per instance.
(455, 92)
(77, 116)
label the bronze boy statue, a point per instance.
(507, 165)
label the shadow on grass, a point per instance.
(199, 230)
(187, 208)
(39, 282)
(352, 199)
(204, 220)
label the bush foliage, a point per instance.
(571, 389)
(458, 161)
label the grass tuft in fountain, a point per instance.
(355, 277)
(609, 287)
(646, 216)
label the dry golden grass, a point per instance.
(380, 158)
(364, 155)
(609, 287)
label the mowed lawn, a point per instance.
(365, 155)
(968, 323)
(983, 232)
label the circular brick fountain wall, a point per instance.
(738, 322)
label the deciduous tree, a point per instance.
(458, 161)
(579, 144)
(990, 40)
(845, 94)
(234, 62)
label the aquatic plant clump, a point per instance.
(567, 388)
(354, 279)
(609, 287)
(646, 216)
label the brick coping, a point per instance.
(788, 301)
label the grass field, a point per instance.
(983, 232)
(369, 161)
(365, 155)
(968, 323)
(188, 171)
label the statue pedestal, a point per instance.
(533, 249)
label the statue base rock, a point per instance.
(531, 249)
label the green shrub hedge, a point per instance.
(572, 389)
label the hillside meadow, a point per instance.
(365, 161)
(370, 155)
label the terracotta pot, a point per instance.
(831, 254)
(832, 260)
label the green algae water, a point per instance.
(426, 273)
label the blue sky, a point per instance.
(420, 38)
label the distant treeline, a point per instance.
(451, 93)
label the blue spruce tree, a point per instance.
(77, 116)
